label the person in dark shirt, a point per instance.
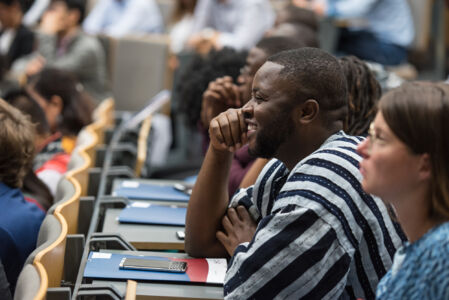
(15, 39)
(19, 220)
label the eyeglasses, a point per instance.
(373, 137)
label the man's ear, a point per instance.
(308, 111)
(425, 167)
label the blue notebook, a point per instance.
(146, 213)
(104, 265)
(149, 191)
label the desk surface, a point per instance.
(150, 290)
(141, 236)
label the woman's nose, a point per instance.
(362, 148)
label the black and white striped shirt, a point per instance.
(319, 235)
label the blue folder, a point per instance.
(148, 191)
(145, 213)
(102, 265)
(106, 265)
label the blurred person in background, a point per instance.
(67, 109)
(385, 31)
(47, 150)
(16, 40)
(197, 75)
(232, 23)
(19, 220)
(63, 45)
(121, 17)
(181, 27)
(297, 15)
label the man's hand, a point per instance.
(238, 227)
(228, 131)
(220, 95)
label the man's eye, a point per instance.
(258, 98)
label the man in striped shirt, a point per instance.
(306, 229)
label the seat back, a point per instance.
(86, 141)
(52, 257)
(140, 70)
(29, 283)
(82, 159)
(69, 193)
(49, 232)
(104, 118)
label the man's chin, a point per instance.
(256, 152)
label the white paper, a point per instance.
(101, 255)
(130, 184)
(140, 204)
(217, 270)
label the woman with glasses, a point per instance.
(406, 163)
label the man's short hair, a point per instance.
(17, 145)
(313, 74)
(79, 5)
(275, 44)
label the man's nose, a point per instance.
(247, 109)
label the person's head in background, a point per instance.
(17, 145)
(296, 31)
(67, 107)
(64, 16)
(11, 13)
(364, 92)
(199, 72)
(20, 99)
(32, 185)
(294, 14)
(182, 8)
(258, 55)
(406, 155)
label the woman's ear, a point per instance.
(308, 111)
(425, 167)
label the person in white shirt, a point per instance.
(233, 23)
(120, 17)
(384, 33)
(181, 26)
